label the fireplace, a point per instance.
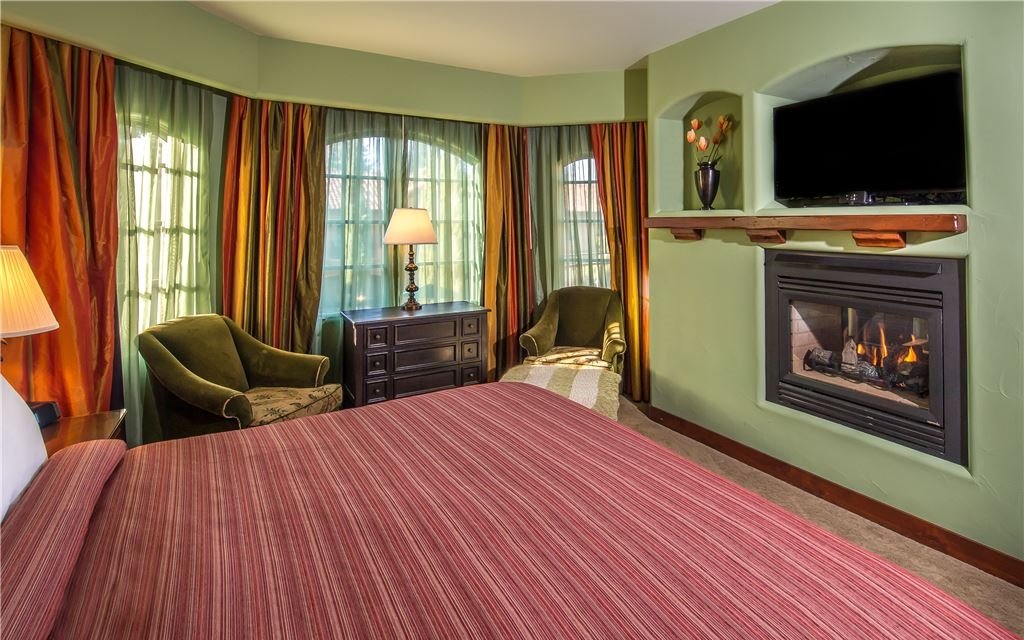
(871, 342)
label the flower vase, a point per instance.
(706, 178)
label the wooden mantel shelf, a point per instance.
(886, 230)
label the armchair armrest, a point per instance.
(190, 388)
(266, 366)
(539, 339)
(613, 344)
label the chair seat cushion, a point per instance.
(274, 404)
(581, 356)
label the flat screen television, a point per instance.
(896, 143)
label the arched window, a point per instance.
(584, 242)
(169, 134)
(446, 178)
(377, 162)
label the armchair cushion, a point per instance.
(274, 404)
(266, 366)
(204, 345)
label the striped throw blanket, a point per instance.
(592, 387)
(493, 511)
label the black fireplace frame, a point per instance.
(928, 288)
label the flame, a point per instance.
(860, 349)
(911, 356)
(881, 338)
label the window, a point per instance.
(585, 257)
(168, 144)
(378, 162)
(448, 181)
(358, 205)
(165, 230)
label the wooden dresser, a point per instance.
(391, 353)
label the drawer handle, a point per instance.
(376, 336)
(376, 363)
(470, 326)
(376, 390)
(470, 349)
(471, 375)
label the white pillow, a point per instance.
(21, 445)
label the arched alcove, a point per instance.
(677, 158)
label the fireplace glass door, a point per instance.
(882, 354)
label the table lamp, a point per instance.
(24, 312)
(411, 227)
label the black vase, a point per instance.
(706, 177)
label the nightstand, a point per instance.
(97, 426)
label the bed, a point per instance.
(495, 511)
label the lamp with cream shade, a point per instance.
(24, 311)
(23, 307)
(411, 227)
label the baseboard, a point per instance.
(986, 558)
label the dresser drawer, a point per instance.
(376, 390)
(424, 331)
(431, 356)
(470, 350)
(472, 375)
(377, 337)
(377, 363)
(426, 382)
(471, 326)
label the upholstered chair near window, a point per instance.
(207, 375)
(580, 326)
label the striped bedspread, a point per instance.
(495, 511)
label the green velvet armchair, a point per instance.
(578, 325)
(207, 375)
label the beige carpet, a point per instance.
(996, 598)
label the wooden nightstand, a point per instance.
(98, 426)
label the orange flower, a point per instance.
(691, 135)
(724, 123)
(695, 124)
(721, 121)
(702, 144)
(717, 138)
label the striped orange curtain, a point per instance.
(273, 217)
(58, 195)
(508, 283)
(620, 151)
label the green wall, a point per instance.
(706, 297)
(183, 40)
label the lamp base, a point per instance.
(411, 304)
(46, 413)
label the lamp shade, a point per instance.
(23, 307)
(410, 226)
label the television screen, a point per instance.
(901, 142)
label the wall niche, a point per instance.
(677, 158)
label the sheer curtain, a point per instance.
(445, 176)
(570, 241)
(166, 184)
